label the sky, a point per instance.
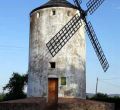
(14, 42)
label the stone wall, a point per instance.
(63, 104)
(77, 104)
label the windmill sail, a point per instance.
(61, 38)
(77, 2)
(93, 5)
(97, 47)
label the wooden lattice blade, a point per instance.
(97, 47)
(77, 2)
(61, 38)
(93, 5)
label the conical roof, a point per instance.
(56, 3)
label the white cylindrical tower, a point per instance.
(69, 65)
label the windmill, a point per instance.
(63, 36)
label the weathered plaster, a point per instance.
(70, 61)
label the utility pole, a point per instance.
(97, 85)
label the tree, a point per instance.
(100, 97)
(1, 97)
(15, 87)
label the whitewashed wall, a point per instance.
(70, 61)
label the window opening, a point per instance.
(38, 15)
(68, 13)
(54, 12)
(52, 64)
(63, 80)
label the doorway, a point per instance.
(53, 90)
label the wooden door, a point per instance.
(53, 90)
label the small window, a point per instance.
(68, 13)
(52, 64)
(54, 12)
(38, 15)
(63, 80)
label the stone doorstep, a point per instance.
(63, 104)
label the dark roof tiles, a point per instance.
(55, 3)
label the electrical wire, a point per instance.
(111, 84)
(115, 78)
(11, 46)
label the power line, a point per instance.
(115, 78)
(11, 46)
(111, 84)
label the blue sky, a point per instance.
(14, 39)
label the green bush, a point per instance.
(100, 97)
(1, 97)
(15, 87)
(106, 98)
(12, 96)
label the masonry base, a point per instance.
(63, 104)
